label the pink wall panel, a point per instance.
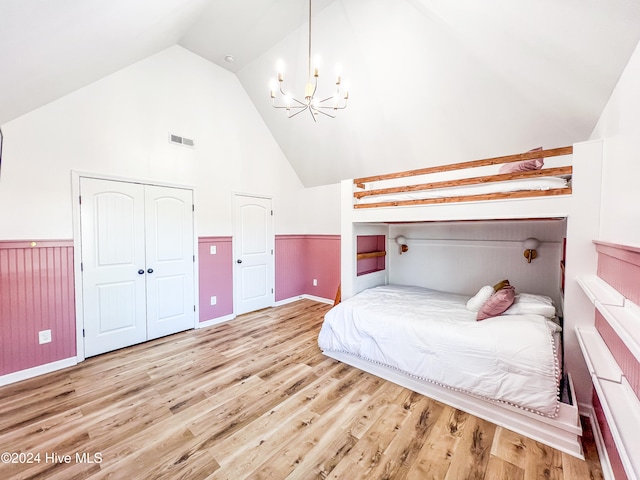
(291, 259)
(619, 266)
(36, 293)
(300, 259)
(216, 277)
(624, 358)
(323, 265)
(607, 437)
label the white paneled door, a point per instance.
(137, 263)
(169, 253)
(253, 247)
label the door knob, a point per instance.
(140, 272)
(239, 261)
(150, 270)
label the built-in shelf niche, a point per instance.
(611, 349)
(371, 253)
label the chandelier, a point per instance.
(328, 106)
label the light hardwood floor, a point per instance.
(253, 398)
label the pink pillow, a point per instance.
(497, 303)
(525, 165)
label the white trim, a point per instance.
(279, 303)
(120, 178)
(562, 433)
(589, 412)
(215, 321)
(77, 259)
(328, 301)
(286, 301)
(37, 371)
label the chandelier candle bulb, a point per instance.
(308, 91)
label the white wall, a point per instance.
(119, 126)
(619, 127)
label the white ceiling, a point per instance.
(431, 81)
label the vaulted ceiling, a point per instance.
(430, 81)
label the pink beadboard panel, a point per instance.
(324, 265)
(216, 277)
(302, 258)
(607, 437)
(624, 358)
(291, 258)
(36, 293)
(619, 266)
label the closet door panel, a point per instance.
(170, 261)
(112, 242)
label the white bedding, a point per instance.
(539, 183)
(432, 335)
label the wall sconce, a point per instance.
(402, 241)
(530, 245)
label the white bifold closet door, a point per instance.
(137, 263)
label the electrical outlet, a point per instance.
(212, 250)
(315, 282)
(44, 336)
(214, 300)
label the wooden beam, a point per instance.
(554, 152)
(547, 172)
(360, 256)
(470, 198)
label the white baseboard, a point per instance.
(226, 318)
(303, 297)
(215, 321)
(590, 413)
(35, 371)
(328, 301)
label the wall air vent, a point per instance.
(178, 140)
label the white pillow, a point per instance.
(528, 304)
(480, 298)
(530, 298)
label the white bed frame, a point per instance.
(581, 209)
(562, 432)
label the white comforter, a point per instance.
(432, 335)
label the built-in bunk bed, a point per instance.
(515, 368)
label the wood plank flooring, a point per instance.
(253, 398)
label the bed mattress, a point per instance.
(431, 335)
(539, 183)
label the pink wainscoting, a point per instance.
(302, 258)
(291, 258)
(607, 437)
(323, 264)
(36, 293)
(216, 277)
(619, 266)
(624, 358)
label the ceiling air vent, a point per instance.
(178, 140)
